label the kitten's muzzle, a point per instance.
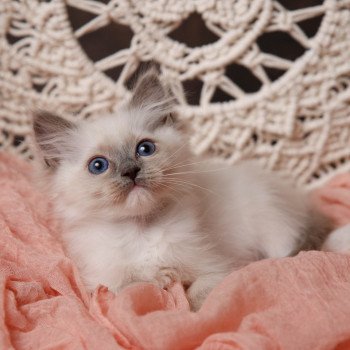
(131, 172)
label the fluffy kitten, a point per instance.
(135, 205)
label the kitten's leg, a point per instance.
(166, 276)
(201, 287)
(283, 237)
(338, 240)
(162, 277)
(278, 240)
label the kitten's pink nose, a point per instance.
(131, 172)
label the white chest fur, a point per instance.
(115, 254)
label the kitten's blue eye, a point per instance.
(98, 165)
(145, 148)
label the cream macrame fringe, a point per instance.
(299, 124)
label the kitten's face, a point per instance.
(135, 180)
(123, 165)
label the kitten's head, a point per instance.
(122, 165)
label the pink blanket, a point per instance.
(292, 303)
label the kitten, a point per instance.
(338, 241)
(136, 205)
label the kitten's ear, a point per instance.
(152, 96)
(148, 90)
(50, 132)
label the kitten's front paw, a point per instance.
(338, 241)
(166, 276)
(201, 287)
(196, 300)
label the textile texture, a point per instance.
(292, 303)
(261, 79)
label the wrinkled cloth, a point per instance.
(292, 303)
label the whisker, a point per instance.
(184, 188)
(173, 196)
(156, 184)
(173, 154)
(181, 165)
(175, 166)
(196, 172)
(192, 184)
(171, 188)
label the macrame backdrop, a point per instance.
(264, 79)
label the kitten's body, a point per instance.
(183, 219)
(200, 235)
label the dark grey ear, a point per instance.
(148, 90)
(155, 98)
(50, 131)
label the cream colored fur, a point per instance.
(190, 219)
